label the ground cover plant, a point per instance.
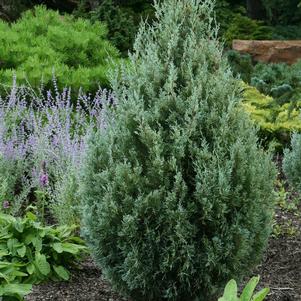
(177, 196)
(43, 42)
(276, 121)
(31, 253)
(42, 140)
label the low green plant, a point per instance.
(44, 42)
(31, 253)
(121, 17)
(281, 81)
(275, 120)
(245, 28)
(231, 294)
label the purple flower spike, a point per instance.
(5, 204)
(44, 179)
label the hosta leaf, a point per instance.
(30, 268)
(19, 226)
(42, 264)
(58, 247)
(249, 289)
(37, 242)
(61, 272)
(14, 288)
(230, 292)
(21, 251)
(261, 295)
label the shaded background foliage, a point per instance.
(246, 19)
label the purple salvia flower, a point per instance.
(5, 204)
(44, 180)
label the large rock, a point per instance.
(270, 51)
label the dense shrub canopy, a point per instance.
(43, 42)
(177, 196)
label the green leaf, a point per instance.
(249, 289)
(30, 268)
(19, 289)
(21, 251)
(42, 264)
(61, 272)
(19, 226)
(37, 242)
(230, 292)
(57, 247)
(261, 295)
(31, 216)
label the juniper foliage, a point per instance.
(177, 195)
(292, 162)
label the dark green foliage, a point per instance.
(289, 32)
(122, 18)
(43, 42)
(177, 196)
(244, 28)
(241, 64)
(281, 12)
(10, 10)
(31, 253)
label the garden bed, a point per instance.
(280, 270)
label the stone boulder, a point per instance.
(270, 51)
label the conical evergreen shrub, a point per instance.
(177, 195)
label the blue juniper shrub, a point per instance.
(177, 195)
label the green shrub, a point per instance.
(122, 20)
(31, 253)
(241, 64)
(230, 293)
(292, 162)
(244, 28)
(177, 195)
(276, 121)
(281, 81)
(43, 42)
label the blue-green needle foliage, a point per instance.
(177, 195)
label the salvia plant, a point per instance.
(42, 140)
(177, 194)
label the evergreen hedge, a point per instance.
(178, 197)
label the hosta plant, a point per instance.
(31, 253)
(230, 293)
(177, 194)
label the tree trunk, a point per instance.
(255, 9)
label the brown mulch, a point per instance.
(86, 284)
